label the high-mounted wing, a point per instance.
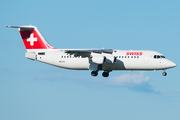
(90, 50)
(86, 53)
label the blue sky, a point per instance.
(33, 90)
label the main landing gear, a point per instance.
(94, 73)
(104, 74)
(164, 73)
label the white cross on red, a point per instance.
(31, 39)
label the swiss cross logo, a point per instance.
(31, 39)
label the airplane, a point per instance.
(95, 60)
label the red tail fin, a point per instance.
(32, 38)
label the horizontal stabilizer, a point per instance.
(22, 27)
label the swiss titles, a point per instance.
(134, 53)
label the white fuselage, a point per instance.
(124, 61)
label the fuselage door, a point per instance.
(146, 58)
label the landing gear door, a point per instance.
(93, 66)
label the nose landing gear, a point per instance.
(164, 73)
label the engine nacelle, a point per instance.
(110, 59)
(97, 58)
(30, 55)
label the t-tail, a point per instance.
(33, 41)
(32, 38)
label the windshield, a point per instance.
(159, 56)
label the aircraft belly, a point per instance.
(134, 64)
(77, 63)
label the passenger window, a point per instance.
(67, 56)
(61, 56)
(134, 56)
(119, 56)
(128, 56)
(131, 56)
(125, 56)
(137, 56)
(122, 56)
(64, 56)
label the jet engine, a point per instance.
(97, 58)
(110, 59)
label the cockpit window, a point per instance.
(159, 56)
(163, 56)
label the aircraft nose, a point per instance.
(172, 64)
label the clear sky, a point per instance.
(30, 90)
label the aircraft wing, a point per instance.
(87, 52)
(90, 50)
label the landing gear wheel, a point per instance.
(105, 74)
(94, 73)
(164, 73)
